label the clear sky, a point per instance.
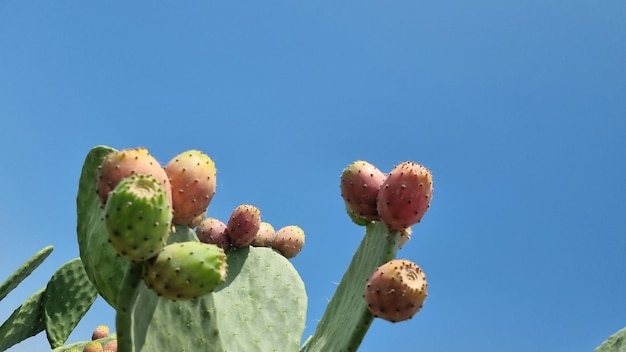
(518, 108)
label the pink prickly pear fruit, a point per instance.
(186, 270)
(289, 241)
(243, 225)
(93, 346)
(405, 195)
(121, 164)
(111, 346)
(101, 331)
(360, 183)
(213, 231)
(265, 236)
(396, 290)
(137, 217)
(192, 175)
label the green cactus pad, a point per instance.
(615, 343)
(23, 271)
(104, 267)
(347, 319)
(260, 307)
(26, 321)
(67, 298)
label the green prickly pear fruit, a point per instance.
(396, 290)
(289, 241)
(121, 164)
(138, 217)
(405, 195)
(355, 217)
(111, 346)
(213, 231)
(93, 346)
(100, 332)
(360, 183)
(265, 236)
(243, 225)
(186, 270)
(193, 178)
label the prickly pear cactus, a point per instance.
(260, 307)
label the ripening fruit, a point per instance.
(289, 241)
(360, 183)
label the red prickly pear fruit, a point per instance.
(360, 183)
(192, 175)
(93, 346)
(396, 290)
(186, 270)
(138, 217)
(101, 331)
(121, 164)
(243, 225)
(265, 236)
(405, 195)
(213, 231)
(111, 346)
(289, 241)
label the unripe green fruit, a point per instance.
(186, 270)
(138, 217)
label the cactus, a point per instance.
(187, 295)
(23, 271)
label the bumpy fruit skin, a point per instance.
(93, 346)
(101, 331)
(405, 195)
(243, 225)
(361, 221)
(360, 183)
(186, 270)
(396, 290)
(265, 236)
(121, 164)
(289, 241)
(193, 176)
(111, 346)
(213, 231)
(138, 217)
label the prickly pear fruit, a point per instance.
(111, 346)
(138, 217)
(265, 236)
(396, 290)
(361, 221)
(213, 231)
(193, 178)
(93, 346)
(185, 270)
(405, 195)
(360, 183)
(243, 225)
(121, 164)
(100, 332)
(289, 241)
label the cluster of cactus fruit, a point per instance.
(143, 200)
(180, 280)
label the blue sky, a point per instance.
(518, 109)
